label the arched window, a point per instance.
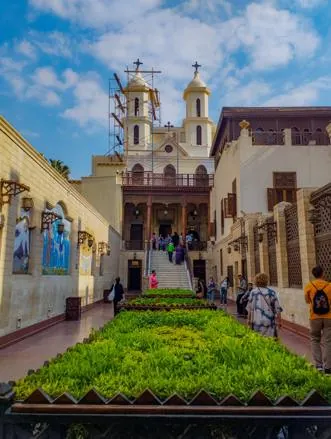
(296, 138)
(258, 136)
(199, 135)
(201, 176)
(271, 139)
(170, 175)
(138, 174)
(136, 107)
(136, 134)
(306, 136)
(318, 136)
(198, 103)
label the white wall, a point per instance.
(311, 163)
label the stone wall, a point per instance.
(33, 297)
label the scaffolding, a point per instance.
(118, 113)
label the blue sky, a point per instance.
(56, 57)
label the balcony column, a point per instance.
(184, 218)
(149, 218)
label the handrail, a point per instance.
(147, 178)
(188, 267)
(149, 259)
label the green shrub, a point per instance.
(169, 292)
(167, 301)
(177, 351)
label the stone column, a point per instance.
(250, 256)
(281, 244)
(306, 235)
(287, 137)
(184, 218)
(149, 219)
(263, 246)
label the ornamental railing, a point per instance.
(321, 200)
(163, 180)
(268, 137)
(293, 246)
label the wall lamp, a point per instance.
(48, 218)
(83, 236)
(60, 228)
(27, 204)
(9, 189)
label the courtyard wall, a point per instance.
(36, 293)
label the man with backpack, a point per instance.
(318, 296)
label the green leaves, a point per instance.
(178, 351)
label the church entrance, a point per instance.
(134, 275)
(165, 229)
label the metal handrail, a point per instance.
(188, 267)
(177, 180)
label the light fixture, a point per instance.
(165, 212)
(90, 241)
(260, 237)
(134, 256)
(27, 204)
(48, 218)
(236, 247)
(229, 250)
(83, 236)
(136, 212)
(60, 228)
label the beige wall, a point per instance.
(34, 297)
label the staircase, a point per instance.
(169, 275)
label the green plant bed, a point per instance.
(167, 301)
(168, 293)
(177, 351)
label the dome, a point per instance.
(196, 85)
(196, 82)
(137, 81)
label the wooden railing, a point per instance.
(162, 180)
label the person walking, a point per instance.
(225, 284)
(170, 250)
(241, 291)
(318, 297)
(119, 294)
(244, 299)
(211, 290)
(153, 281)
(263, 308)
(154, 241)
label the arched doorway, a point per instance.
(201, 176)
(138, 174)
(169, 175)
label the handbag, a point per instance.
(111, 295)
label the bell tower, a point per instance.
(198, 126)
(137, 123)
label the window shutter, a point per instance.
(232, 202)
(271, 198)
(227, 213)
(222, 217)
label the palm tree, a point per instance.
(60, 167)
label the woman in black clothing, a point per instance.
(119, 293)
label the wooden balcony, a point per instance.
(148, 181)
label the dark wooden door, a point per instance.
(199, 269)
(230, 274)
(134, 275)
(165, 229)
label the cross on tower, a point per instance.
(138, 63)
(196, 66)
(168, 126)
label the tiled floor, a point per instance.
(16, 360)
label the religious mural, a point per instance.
(86, 256)
(21, 245)
(56, 245)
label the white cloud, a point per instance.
(247, 94)
(96, 13)
(91, 103)
(53, 43)
(27, 49)
(271, 37)
(305, 94)
(30, 134)
(307, 4)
